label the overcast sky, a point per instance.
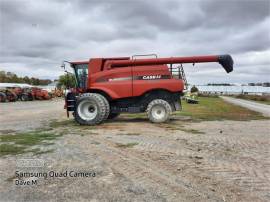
(35, 36)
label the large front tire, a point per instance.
(159, 111)
(90, 109)
(107, 107)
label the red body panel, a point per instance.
(141, 86)
(172, 85)
(124, 82)
(117, 83)
(128, 81)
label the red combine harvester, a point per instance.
(107, 87)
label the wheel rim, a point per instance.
(158, 112)
(87, 110)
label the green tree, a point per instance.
(66, 81)
(2, 76)
(9, 77)
(26, 80)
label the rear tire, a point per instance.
(24, 97)
(90, 109)
(159, 111)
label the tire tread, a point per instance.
(102, 109)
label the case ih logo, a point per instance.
(151, 77)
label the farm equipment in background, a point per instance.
(7, 95)
(18, 92)
(40, 94)
(13, 94)
(27, 95)
(107, 87)
(57, 93)
(23, 94)
(3, 97)
(191, 98)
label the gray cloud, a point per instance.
(35, 35)
(241, 13)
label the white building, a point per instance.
(50, 87)
(252, 90)
(14, 85)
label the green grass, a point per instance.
(132, 144)
(6, 149)
(210, 109)
(13, 144)
(14, 149)
(16, 143)
(28, 138)
(267, 102)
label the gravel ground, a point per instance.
(135, 160)
(29, 115)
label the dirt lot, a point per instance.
(29, 115)
(135, 160)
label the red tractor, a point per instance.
(6, 94)
(107, 87)
(24, 94)
(40, 94)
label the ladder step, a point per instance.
(183, 76)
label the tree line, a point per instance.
(9, 77)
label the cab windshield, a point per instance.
(81, 74)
